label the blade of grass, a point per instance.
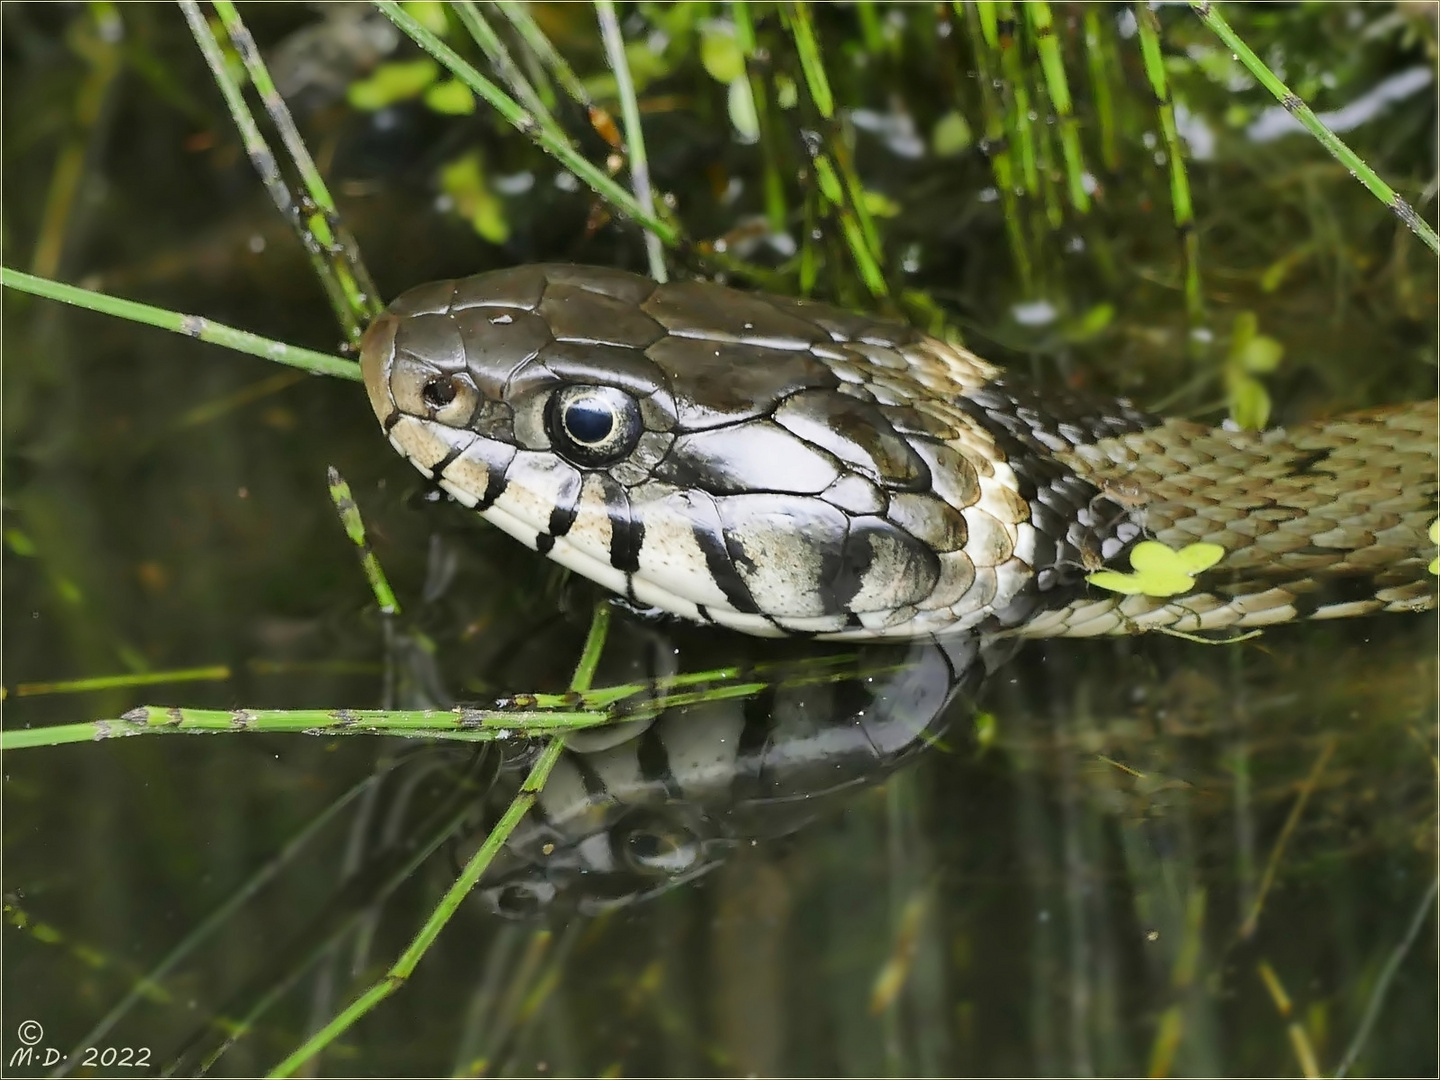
(104, 53)
(776, 210)
(1302, 112)
(1272, 865)
(355, 530)
(462, 724)
(996, 146)
(594, 645)
(798, 21)
(997, 27)
(191, 325)
(519, 17)
(1149, 33)
(263, 159)
(1423, 911)
(110, 682)
(1097, 57)
(212, 922)
(494, 49)
(1038, 14)
(523, 122)
(634, 135)
(336, 244)
(1299, 1040)
(401, 970)
(346, 909)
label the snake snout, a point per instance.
(377, 350)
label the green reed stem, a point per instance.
(997, 143)
(191, 325)
(1179, 180)
(348, 914)
(263, 159)
(464, 725)
(401, 970)
(827, 176)
(149, 984)
(105, 55)
(526, 124)
(1097, 57)
(584, 675)
(634, 134)
(336, 243)
(798, 21)
(1424, 911)
(214, 673)
(494, 49)
(1302, 112)
(519, 17)
(355, 530)
(1038, 14)
(776, 210)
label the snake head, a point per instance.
(771, 465)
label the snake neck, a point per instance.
(1322, 520)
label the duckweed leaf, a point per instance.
(1249, 401)
(741, 106)
(951, 135)
(451, 97)
(391, 82)
(429, 14)
(720, 52)
(1435, 539)
(1157, 570)
(464, 181)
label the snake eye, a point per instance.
(593, 425)
(439, 392)
(659, 848)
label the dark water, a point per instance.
(1069, 886)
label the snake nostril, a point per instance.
(439, 392)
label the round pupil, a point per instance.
(589, 421)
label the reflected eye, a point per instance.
(657, 848)
(439, 392)
(520, 899)
(593, 425)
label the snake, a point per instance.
(782, 467)
(627, 821)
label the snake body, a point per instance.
(616, 825)
(780, 466)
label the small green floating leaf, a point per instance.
(452, 98)
(880, 206)
(987, 730)
(1262, 355)
(787, 93)
(952, 135)
(398, 80)
(1157, 570)
(1251, 354)
(720, 52)
(22, 545)
(1090, 324)
(1435, 539)
(741, 105)
(464, 181)
(428, 13)
(1249, 401)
